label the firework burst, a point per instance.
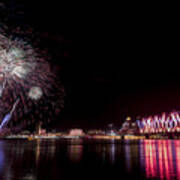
(27, 76)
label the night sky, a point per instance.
(113, 63)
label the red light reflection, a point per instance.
(162, 158)
(177, 145)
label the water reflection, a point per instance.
(106, 151)
(128, 157)
(162, 158)
(153, 158)
(1, 158)
(63, 159)
(131, 155)
(37, 152)
(112, 153)
(15, 161)
(75, 150)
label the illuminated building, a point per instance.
(128, 127)
(95, 131)
(76, 132)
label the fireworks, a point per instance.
(163, 123)
(15, 63)
(35, 93)
(27, 76)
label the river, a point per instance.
(89, 159)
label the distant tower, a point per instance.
(127, 123)
(38, 128)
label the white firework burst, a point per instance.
(26, 75)
(13, 61)
(35, 93)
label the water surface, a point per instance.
(89, 159)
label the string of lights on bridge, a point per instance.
(166, 123)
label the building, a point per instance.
(128, 127)
(76, 132)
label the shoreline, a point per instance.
(94, 137)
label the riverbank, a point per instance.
(103, 137)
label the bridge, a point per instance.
(168, 124)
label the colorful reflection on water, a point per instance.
(157, 158)
(162, 158)
(67, 159)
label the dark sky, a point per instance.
(114, 62)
